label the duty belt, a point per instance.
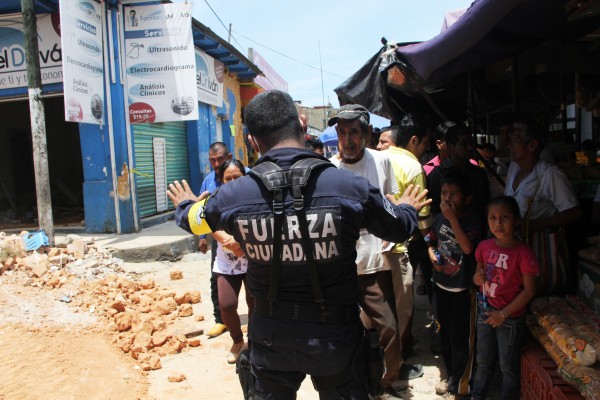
(306, 312)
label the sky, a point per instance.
(288, 35)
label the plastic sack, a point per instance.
(585, 379)
(35, 240)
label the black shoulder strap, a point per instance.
(275, 179)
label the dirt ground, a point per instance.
(52, 349)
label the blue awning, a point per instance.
(41, 6)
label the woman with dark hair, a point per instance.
(230, 266)
(547, 203)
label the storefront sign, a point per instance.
(210, 75)
(160, 63)
(83, 68)
(271, 79)
(13, 68)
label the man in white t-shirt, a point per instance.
(547, 202)
(375, 280)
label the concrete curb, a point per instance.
(172, 251)
(161, 242)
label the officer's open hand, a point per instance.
(412, 196)
(179, 192)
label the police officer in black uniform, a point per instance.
(301, 328)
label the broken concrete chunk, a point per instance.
(177, 377)
(150, 362)
(159, 338)
(176, 275)
(39, 270)
(123, 321)
(147, 283)
(195, 296)
(185, 310)
(38, 263)
(182, 297)
(77, 248)
(165, 306)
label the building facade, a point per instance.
(111, 176)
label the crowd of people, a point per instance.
(382, 214)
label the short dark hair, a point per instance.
(507, 201)
(216, 146)
(454, 176)
(441, 129)
(394, 133)
(229, 163)
(272, 117)
(532, 131)
(312, 144)
(375, 135)
(455, 132)
(410, 125)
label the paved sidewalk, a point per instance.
(162, 242)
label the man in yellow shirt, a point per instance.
(405, 144)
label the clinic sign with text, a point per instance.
(160, 63)
(210, 78)
(83, 58)
(13, 67)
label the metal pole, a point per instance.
(577, 111)
(515, 84)
(322, 87)
(563, 108)
(38, 121)
(472, 101)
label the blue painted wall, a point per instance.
(201, 134)
(98, 194)
(227, 115)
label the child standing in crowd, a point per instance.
(230, 266)
(452, 242)
(506, 274)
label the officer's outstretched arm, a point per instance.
(394, 220)
(412, 196)
(184, 200)
(179, 192)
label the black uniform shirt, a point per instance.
(338, 204)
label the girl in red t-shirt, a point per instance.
(506, 274)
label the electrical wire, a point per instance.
(267, 47)
(227, 29)
(286, 56)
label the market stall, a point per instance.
(539, 59)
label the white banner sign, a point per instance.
(13, 69)
(210, 76)
(83, 68)
(160, 63)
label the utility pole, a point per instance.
(229, 36)
(38, 120)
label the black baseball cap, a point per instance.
(350, 111)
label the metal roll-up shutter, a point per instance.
(175, 156)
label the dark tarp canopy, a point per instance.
(448, 74)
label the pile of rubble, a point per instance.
(138, 314)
